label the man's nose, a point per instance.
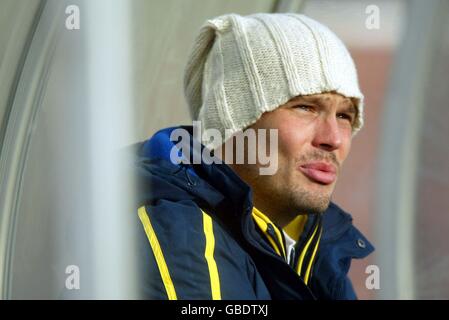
(328, 135)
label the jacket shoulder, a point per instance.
(202, 259)
(341, 243)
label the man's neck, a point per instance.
(278, 215)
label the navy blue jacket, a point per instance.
(197, 238)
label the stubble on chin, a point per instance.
(307, 201)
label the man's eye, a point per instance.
(345, 117)
(304, 107)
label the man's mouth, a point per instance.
(319, 172)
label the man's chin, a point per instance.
(313, 201)
(316, 208)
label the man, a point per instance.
(230, 230)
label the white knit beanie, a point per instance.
(243, 66)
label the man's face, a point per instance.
(314, 138)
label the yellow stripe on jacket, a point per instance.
(157, 251)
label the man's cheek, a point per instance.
(291, 146)
(344, 154)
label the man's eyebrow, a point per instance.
(350, 107)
